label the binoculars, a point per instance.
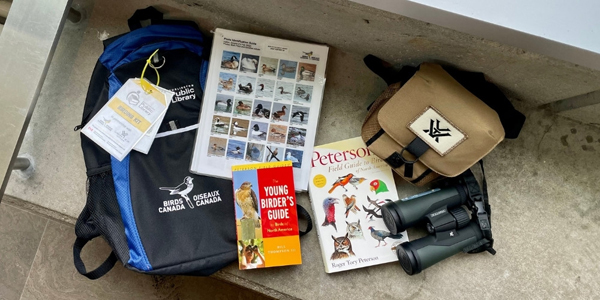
(450, 228)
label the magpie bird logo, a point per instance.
(435, 131)
(183, 190)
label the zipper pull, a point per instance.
(78, 127)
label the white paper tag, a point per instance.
(437, 131)
(126, 117)
(145, 143)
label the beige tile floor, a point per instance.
(36, 262)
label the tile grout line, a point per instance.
(33, 260)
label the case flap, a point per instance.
(459, 128)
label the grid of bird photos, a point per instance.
(261, 107)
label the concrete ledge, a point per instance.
(543, 185)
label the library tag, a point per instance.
(145, 143)
(124, 120)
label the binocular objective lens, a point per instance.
(405, 260)
(389, 220)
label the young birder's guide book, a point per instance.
(348, 186)
(261, 104)
(265, 215)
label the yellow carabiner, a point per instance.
(145, 85)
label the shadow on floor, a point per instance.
(36, 262)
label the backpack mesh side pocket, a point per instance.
(101, 216)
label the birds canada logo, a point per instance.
(309, 54)
(183, 190)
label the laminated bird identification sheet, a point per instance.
(261, 104)
(125, 119)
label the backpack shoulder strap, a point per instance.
(302, 212)
(148, 13)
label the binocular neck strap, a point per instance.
(482, 211)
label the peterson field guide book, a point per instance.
(266, 215)
(348, 185)
(261, 104)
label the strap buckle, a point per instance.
(482, 216)
(408, 164)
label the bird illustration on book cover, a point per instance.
(350, 204)
(354, 230)
(246, 199)
(371, 213)
(329, 209)
(355, 181)
(342, 247)
(376, 210)
(378, 186)
(341, 181)
(381, 235)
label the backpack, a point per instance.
(157, 217)
(434, 122)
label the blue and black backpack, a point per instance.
(157, 216)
